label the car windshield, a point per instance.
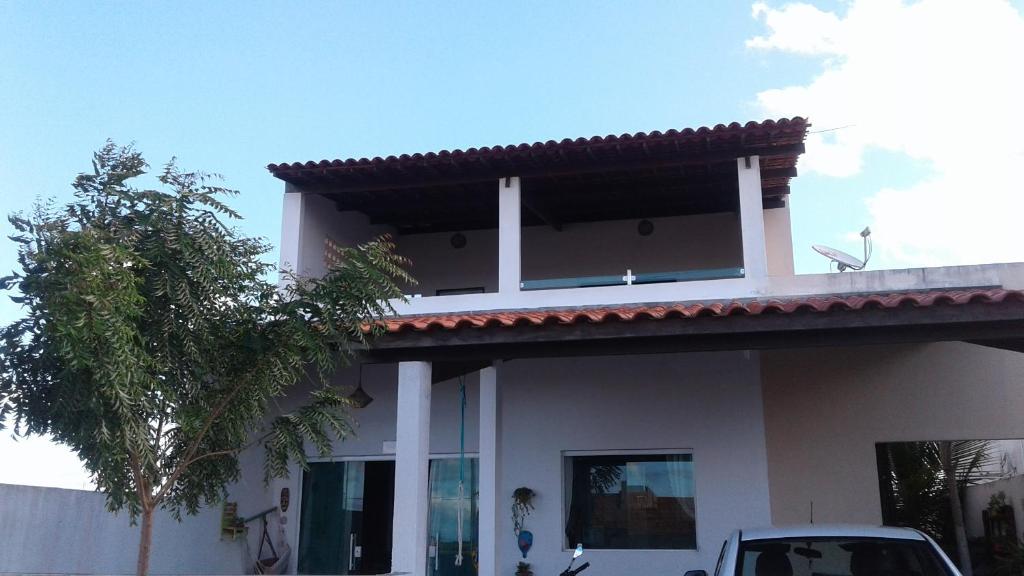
(838, 557)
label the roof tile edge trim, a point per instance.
(684, 310)
(795, 122)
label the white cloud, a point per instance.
(799, 28)
(936, 80)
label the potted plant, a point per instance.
(522, 505)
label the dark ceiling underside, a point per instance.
(630, 176)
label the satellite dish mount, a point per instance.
(843, 260)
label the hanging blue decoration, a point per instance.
(525, 541)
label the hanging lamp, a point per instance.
(359, 397)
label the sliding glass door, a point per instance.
(347, 518)
(347, 511)
(444, 526)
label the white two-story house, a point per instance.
(615, 324)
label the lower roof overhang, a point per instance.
(992, 317)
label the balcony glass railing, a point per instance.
(644, 278)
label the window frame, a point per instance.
(565, 454)
(721, 558)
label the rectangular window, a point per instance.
(630, 501)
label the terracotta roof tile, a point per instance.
(824, 303)
(768, 128)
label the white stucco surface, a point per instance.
(755, 257)
(778, 241)
(53, 530)
(584, 249)
(580, 249)
(1009, 276)
(826, 408)
(604, 248)
(707, 403)
(412, 461)
(318, 219)
(976, 499)
(436, 265)
(375, 434)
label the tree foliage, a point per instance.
(154, 345)
(913, 480)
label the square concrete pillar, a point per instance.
(490, 505)
(412, 467)
(509, 235)
(755, 260)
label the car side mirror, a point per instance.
(695, 573)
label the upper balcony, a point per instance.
(695, 214)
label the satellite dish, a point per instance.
(843, 260)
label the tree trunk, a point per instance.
(955, 508)
(145, 539)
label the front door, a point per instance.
(347, 510)
(446, 532)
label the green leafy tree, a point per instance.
(153, 344)
(921, 485)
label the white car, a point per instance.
(831, 550)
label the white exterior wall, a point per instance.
(584, 249)
(376, 428)
(778, 240)
(490, 504)
(976, 500)
(317, 218)
(291, 229)
(52, 530)
(597, 248)
(755, 255)
(826, 408)
(436, 265)
(709, 403)
(412, 466)
(1008, 276)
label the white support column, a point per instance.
(509, 233)
(490, 510)
(755, 261)
(412, 459)
(291, 230)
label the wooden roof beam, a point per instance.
(540, 209)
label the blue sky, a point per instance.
(229, 87)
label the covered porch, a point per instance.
(710, 381)
(529, 423)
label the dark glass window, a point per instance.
(640, 501)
